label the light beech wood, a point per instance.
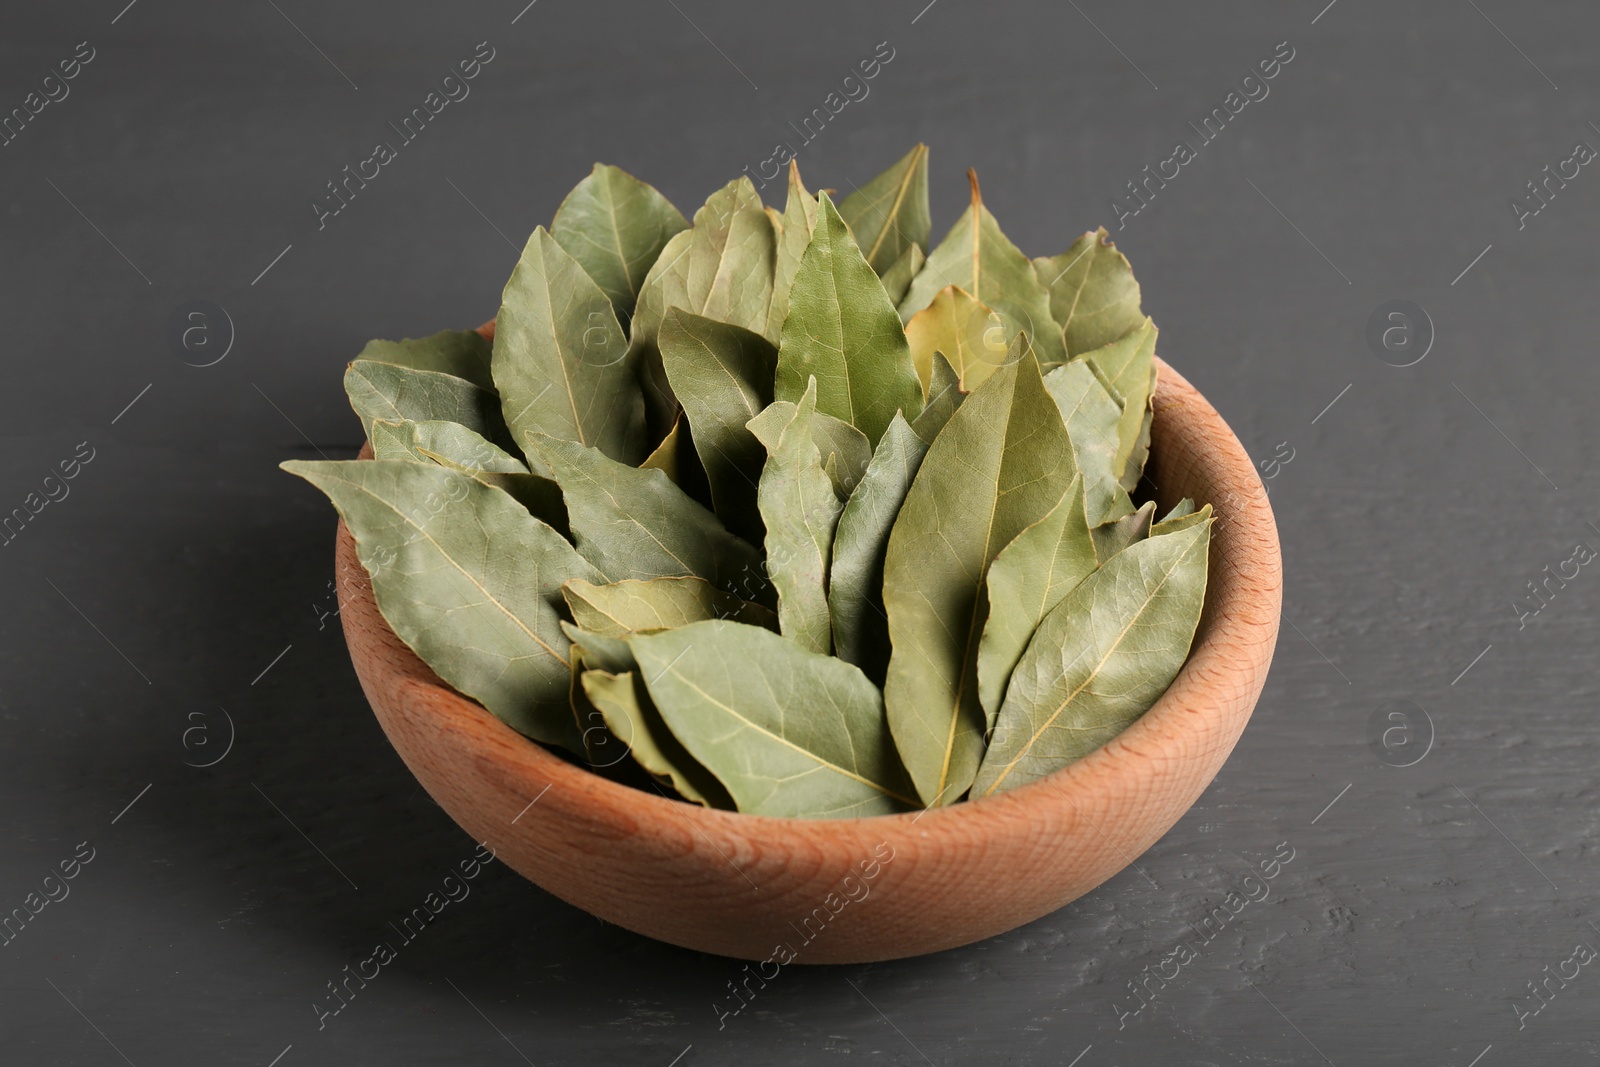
(744, 885)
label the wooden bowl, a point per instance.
(858, 890)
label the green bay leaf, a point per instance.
(560, 357)
(787, 731)
(843, 331)
(976, 256)
(855, 578)
(1000, 464)
(615, 226)
(1099, 660)
(468, 579)
(800, 509)
(1027, 579)
(889, 214)
(1094, 298)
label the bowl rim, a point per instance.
(1222, 675)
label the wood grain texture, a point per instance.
(741, 885)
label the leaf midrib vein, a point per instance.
(488, 596)
(894, 208)
(1092, 675)
(819, 760)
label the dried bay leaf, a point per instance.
(1027, 579)
(1093, 295)
(665, 456)
(800, 510)
(394, 440)
(976, 256)
(636, 723)
(944, 396)
(897, 279)
(843, 331)
(732, 259)
(788, 732)
(462, 353)
(855, 578)
(591, 725)
(1000, 464)
(1117, 535)
(722, 268)
(889, 214)
(967, 333)
(460, 449)
(618, 609)
(468, 579)
(395, 393)
(674, 456)
(1141, 443)
(661, 406)
(615, 226)
(1175, 523)
(1126, 368)
(793, 229)
(541, 496)
(1091, 416)
(560, 357)
(723, 377)
(455, 445)
(604, 751)
(634, 523)
(847, 448)
(1100, 659)
(1179, 510)
(601, 651)
(844, 449)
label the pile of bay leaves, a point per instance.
(779, 510)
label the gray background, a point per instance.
(1413, 513)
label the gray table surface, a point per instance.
(183, 583)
